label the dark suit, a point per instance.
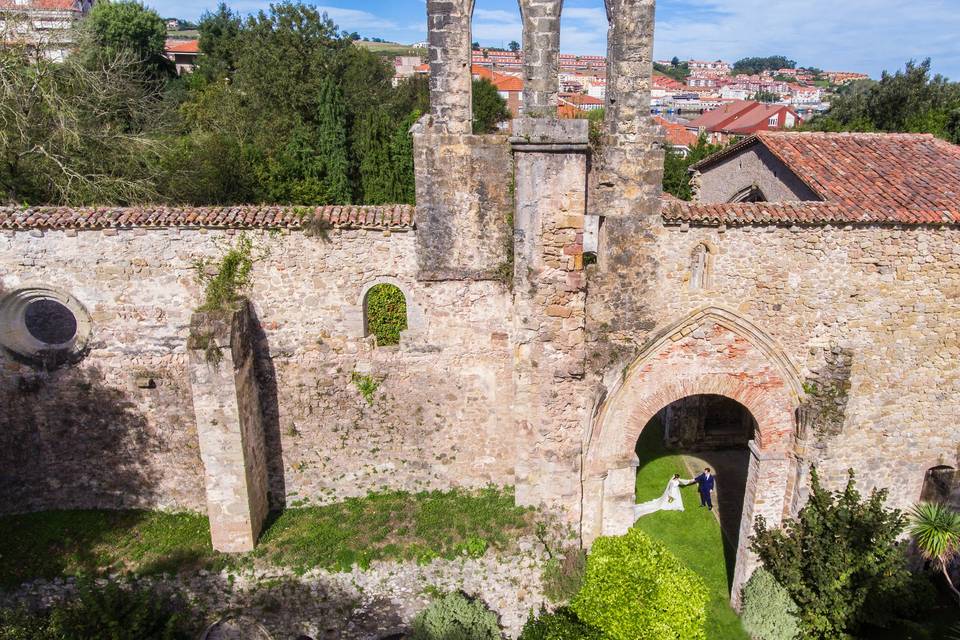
(705, 485)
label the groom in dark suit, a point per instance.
(705, 483)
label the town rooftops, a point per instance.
(43, 5)
(388, 217)
(501, 81)
(739, 116)
(861, 178)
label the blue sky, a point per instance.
(849, 35)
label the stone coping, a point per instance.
(398, 217)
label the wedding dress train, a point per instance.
(669, 501)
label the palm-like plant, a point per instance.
(936, 530)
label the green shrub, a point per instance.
(455, 617)
(562, 577)
(769, 613)
(109, 612)
(562, 624)
(386, 314)
(634, 589)
(225, 282)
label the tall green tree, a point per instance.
(332, 142)
(126, 27)
(839, 560)
(489, 108)
(219, 32)
(372, 146)
(676, 166)
(758, 65)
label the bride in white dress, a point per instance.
(669, 501)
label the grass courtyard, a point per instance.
(384, 526)
(693, 535)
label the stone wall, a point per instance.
(754, 167)
(439, 417)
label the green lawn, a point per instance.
(692, 535)
(391, 525)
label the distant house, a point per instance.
(509, 87)
(679, 137)
(744, 118)
(183, 54)
(44, 24)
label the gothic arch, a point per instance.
(711, 351)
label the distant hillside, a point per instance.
(391, 49)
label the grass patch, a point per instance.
(67, 543)
(383, 526)
(693, 535)
(395, 526)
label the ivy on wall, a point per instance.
(386, 314)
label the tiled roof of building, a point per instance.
(397, 217)
(719, 117)
(862, 178)
(501, 81)
(677, 134)
(183, 46)
(757, 118)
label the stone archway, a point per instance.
(711, 352)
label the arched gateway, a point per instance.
(712, 351)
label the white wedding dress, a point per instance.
(669, 501)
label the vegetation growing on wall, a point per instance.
(225, 280)
(366, 385)
(386, 313)
(454, 616)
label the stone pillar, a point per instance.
(541, 56)
(226, 403)
(629, 65)
(550, 157)
(449, 36)
(765, 495)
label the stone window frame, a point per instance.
(415, 316)
(17, 340)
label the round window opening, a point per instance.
(43, 327)
(50, 322)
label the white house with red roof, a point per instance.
(44, 24)
(183, 54)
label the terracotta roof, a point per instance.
(397, 216)
(677, 134)
(864, 178)
(501, 81)
(757, 119)
(722, 116)
(183, 46)
(51, 5)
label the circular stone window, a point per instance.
(44, 327)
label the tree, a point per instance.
(676, 175)
(909, 101)
(751, 66)
(127, 27)
(76, 133)
(489, 108)
(514, 46)
(839, 560)
(679, 72)
(675, 61)
(766, 96)
(936, 530)
(218, 41)
(332, 143)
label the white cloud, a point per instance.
(355, 20)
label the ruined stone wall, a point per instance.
(755, 167)
(118, 429)
(869, 316)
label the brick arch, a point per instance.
(712, 351)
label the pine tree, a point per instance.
(401, 162)
(332, 143)
(372, 148)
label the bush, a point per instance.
(563, 577)
(455, 617)
(769, 613)
(634, 589)
(562, 624)
(109, 612)
(839, 560)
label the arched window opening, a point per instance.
(385, 314)
(942, 484)
(752, 193)
(700, 260)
